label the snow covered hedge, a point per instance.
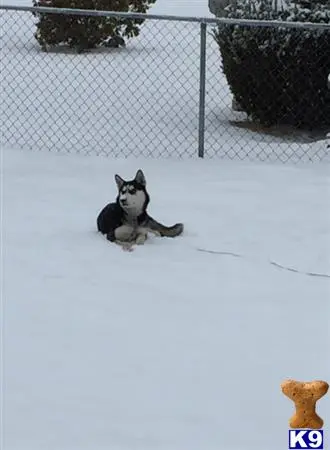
(278, 75)
(82, 32)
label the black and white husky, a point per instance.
(126, 221)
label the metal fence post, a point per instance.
(202, 74)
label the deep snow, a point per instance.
(180, 345)
(167, 347)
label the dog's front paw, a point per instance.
(141, 238)
(126, 246)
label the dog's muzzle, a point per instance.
(123, 200)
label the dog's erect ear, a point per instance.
(119, 181)
(140, 178)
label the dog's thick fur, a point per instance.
(126, 221)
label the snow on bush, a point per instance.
(278, 75)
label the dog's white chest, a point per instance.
(125, 233)
(129, 233)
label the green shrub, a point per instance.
(278, 75)
(87, 32)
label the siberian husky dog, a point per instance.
(126, 221)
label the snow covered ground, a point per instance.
(168, 347)
(181, 344)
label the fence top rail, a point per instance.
(206, 20)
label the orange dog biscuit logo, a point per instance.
(305, 396)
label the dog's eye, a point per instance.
(123, 191)
(131, 191)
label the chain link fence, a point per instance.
(163, 94)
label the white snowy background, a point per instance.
(181, 344)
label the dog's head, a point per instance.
(132, 195)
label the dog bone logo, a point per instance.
(305, 395)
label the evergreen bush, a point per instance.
(87, 32)
(278, 75)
